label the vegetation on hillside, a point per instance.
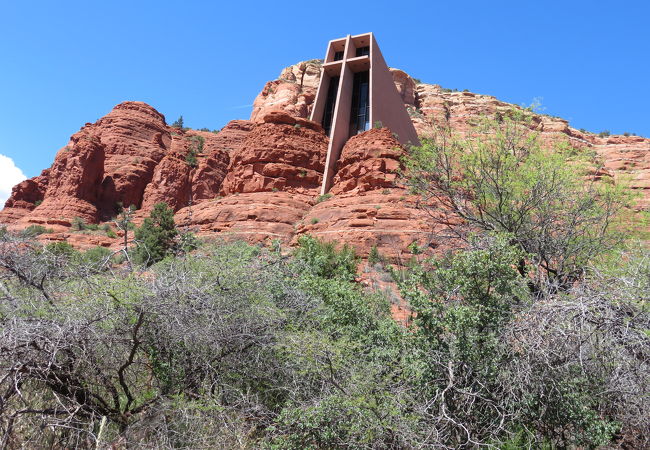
(534, 333)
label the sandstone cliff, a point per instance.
(259, 179)
(626, 158)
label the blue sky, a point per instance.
(68, 63)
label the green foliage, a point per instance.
(337, 419)
(156, 237)
(414, 248)
(96, 255)
(195, 148)
(374, 257)
(484, 285)
(188, 242)
(61, 249)
(78, 224)
(35, 230)
(322, 198)
(324, 260)
(178, 123)
(233, 345)
(604, 133)
(501, 180)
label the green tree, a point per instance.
(124, 222)
(195, 148)
(155, 239)
(178, 123)
(499, 179)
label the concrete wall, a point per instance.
(386, 104)
(340, 123)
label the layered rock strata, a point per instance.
(623, 158)
(259, 179)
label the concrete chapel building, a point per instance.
(356, 91)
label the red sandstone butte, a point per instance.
(282, 153)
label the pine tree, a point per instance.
(178, 123)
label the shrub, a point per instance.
(77, 224)
(324, 260)
(322, 198)
(374, 257)
(236, 346)
(35, 230)
(96, 256)
(61, 249)
(155, 239)
(501, 180)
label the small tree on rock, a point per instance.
(179, 123)
(156, 237)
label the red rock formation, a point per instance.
(259, 179)
(25, 196)
(406, 86)
(253, 216)
(626, 158)
(281, 153)
(73, 179)
(72, 183)
(135, 138)
(387, 219)
(213, 163)
(128, 157)
(368, 161)
(294, 92)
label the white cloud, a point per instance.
(10, 175)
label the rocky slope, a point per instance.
(626, 158)
(259, 179)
